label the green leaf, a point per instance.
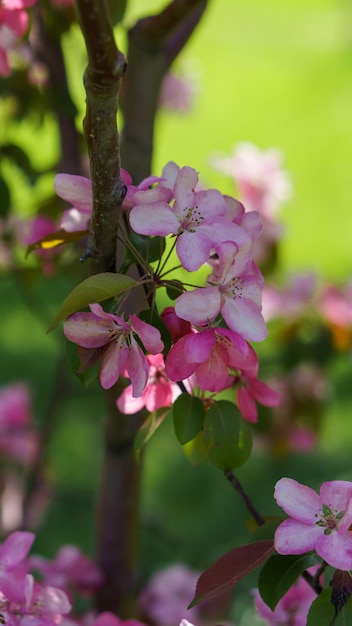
(230, 569)
(93, 289)
(195, 450)
(88, 375)
(322, 612)
(188, 415)
(150, 248)
(5, 198)
(227, 436)
(280, 573)
(267, 530)
(148, 428)
(174, 288)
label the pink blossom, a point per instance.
(176, 326)
(165, 598)
(196, 218)
(292, 301)
(262, 183)
(17, 440)
(77, 190)
(176, 93)
(336, 304)
(235, 291)
(44, 605)
(250, 390)
(13, 566)
(317, 522)
(158, 392)
(208, 355)
(13, 24)
(293, 607)
(109, 336)
(70, 568)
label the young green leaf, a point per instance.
(188, 416)
(148, 428)
(322, 612)
(280, 573)
(95, 288)
(227, 437)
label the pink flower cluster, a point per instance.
(13, 24)
(215, 322)
(17, 437)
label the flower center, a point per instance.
(192, 219)
(234, 288)
(330, 519)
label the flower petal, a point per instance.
(293, 537)
(298, 501)
(336, 549)
(148, 334)
(154, 219)
(199, 306)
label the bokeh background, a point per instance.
(270, 73)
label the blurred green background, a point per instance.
(275, 74)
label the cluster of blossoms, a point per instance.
(13, 24)
(215, 322)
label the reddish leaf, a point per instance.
(230, 569)
(341, 589)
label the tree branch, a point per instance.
(102, 80)
(153, 43)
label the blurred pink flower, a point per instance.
(164, 600)
(70, 569)
(13, 564)
(13, 24)
(17, 439)
(109, 619)
(292, 301)
(176, 93)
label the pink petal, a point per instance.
(211, 203)
(293, 537)
(137, 368)
(16, 547)
(154, 219)
(113, 363)
(199, 306)
(336, 549)
(176, 366)
(247, 406)
(263, 393)
(186, 181)
(74, 220)
(244, 317)
(149, 335)
(212, 374)
(75, 189)
(336, 494)
(298, 501)
(199, 346)
(193, 249)
(87, 330)
(127, 404)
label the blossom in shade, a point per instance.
(209, 355)
(251, 390)
(293, 607)
(13, 24)
(317, 522)
(159, 391)
(108, 336)
(235, 291)
(176, 326)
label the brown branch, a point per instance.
(153, 43)
(233, 480)
(102, 80)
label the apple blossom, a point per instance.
(13, 564)
(196, 218)
(208, 355)
(235, 291)
(17, 439)
(107, 335)
(317, 522)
